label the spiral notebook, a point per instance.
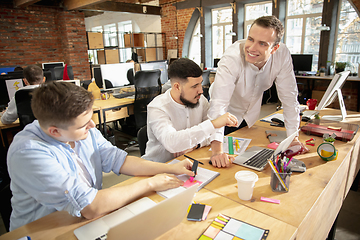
(203, 177)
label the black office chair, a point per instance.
(206, 84)
(130, 76)
(85, 84)
(108, 84)
(49, 75)
(5, 192)
(147, 87)
(142, 139)
(23, 104)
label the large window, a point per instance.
(301, 34)
(195, 44)
(348, 37)
(110, 36)
(124, 27)
(254, 11)
(221, 26)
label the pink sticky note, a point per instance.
(188, 183)
(206, 212)
(270, 200)
(273, 145)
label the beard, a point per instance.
(188, 103)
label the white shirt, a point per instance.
(10, 115)
(172, 127)
(238, 87)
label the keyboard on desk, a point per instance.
(254, 158)
(123, 94)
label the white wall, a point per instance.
(140, 22)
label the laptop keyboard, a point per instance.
(259, 160)
(103, 237)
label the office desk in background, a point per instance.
(7, 132)
(110, 110)
(310, 81)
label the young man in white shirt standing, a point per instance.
(177, 120)
(245, 71)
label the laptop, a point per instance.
(142, 219)
(256, 157)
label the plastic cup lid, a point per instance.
(246, 176)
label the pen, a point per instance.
(193, 159)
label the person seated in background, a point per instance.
(18, 68)
(33, 76)
(56, 163)
(177, 120)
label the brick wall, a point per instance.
(35, 35)
(174, 23)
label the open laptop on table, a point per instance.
(143, 219)
(256, 157)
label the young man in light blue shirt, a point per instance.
(56, 162)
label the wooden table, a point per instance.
(307, 211)
(110, 110)
(314, 198)
(5, 132)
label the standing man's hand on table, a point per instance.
(226, 119)
(219, 158)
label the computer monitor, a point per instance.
(115, 73)
(9, 84)
(52, 65)
(76, 82)
(98, 77)
(333, 90)
(302, 63)
(157, 65)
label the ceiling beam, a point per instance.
(124, 7)
(24, 3)
(78, 4)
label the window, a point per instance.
(301, 33)
(110, 38)
(195, 44)
(124, 27)
(221, 24)
(254, 11)
(348, 37)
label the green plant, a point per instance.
(341, 65)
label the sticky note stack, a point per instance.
(198, 212)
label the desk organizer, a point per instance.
(343, 131)
(276, 185)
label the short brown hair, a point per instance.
(34, 74)
(183, 68)
(271, 22)
(59, 103)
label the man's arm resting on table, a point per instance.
(107, 200)
(218, 157)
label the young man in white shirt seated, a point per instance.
(177, 120)
(33, 76)
(56, 163)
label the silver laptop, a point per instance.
(256, 157)
(145, 215)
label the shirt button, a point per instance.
(66, 192)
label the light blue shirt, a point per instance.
(44, 176)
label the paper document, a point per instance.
(234, 145)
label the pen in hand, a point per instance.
(193, 159)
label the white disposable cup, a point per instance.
(246, 183)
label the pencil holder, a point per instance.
(280, 182)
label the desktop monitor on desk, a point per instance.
(302, 63)
(116, 74)
(162, 65)
(50, 65)
(9, 84)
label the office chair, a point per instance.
(147, 87)
(130, 76)
(85, 84)
(206, 84)
(49, 75)
(142, 139)
(5, 192)
(23, 104)
(108, 84)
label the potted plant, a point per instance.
(340, 66)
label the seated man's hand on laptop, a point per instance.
(226, 119)
(221, 160)
(164, 181)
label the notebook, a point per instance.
(144, 214)
(203, 177)
(251, 154)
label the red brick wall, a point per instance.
(169, 16)
(35, 35)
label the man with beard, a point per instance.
(248, 68)
(177, 120)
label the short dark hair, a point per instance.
(59, 103)
(183, 68)
(33, 74)
(271, 22)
